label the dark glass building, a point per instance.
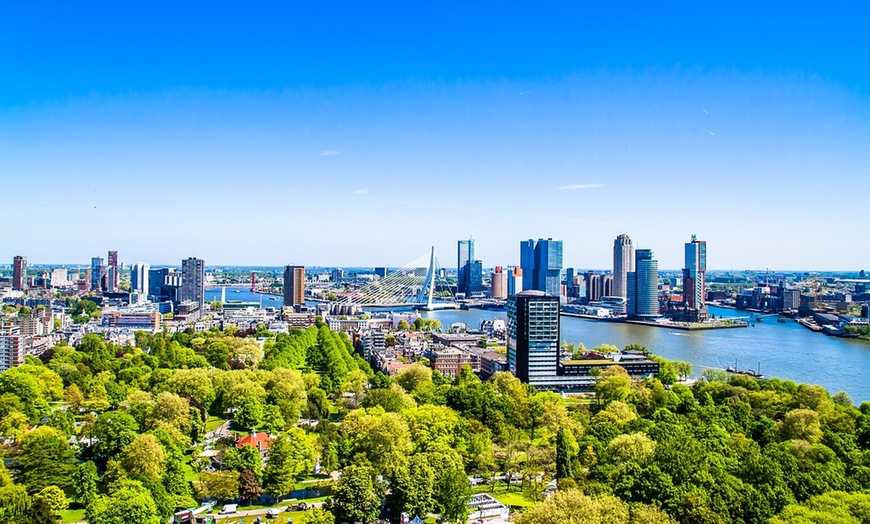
(533, 336)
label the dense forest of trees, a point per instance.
(119, 431)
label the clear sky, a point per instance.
(361, 133)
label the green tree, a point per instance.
(85, 482)
(452, 492)
(291, 457)
(414, 487)
(318, 404)
(14, 504)
(635, 447)
(329, 457)
(143, 459)
(250, 414)
(575, 507)
(613, 384)
(356, 497)
(194, 383)
(319, 516)
(47, 504)
(566, 448)
(803, 424)
(246, 457)
(273, 421)
(127, 501)
(114, 430)
(45, 459)
(222, 485)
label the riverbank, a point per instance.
(691, 326)
(684, 326)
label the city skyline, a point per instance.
(573, 122)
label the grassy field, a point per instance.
(212, 423)
(70, 516)
(514, 498)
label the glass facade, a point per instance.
(643, 295)
(533, 336)
(541, 262)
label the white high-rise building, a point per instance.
(623, 263)
(139, 278)
(58, 278)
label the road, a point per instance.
(258, 512)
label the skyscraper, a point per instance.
(593, 286)
(533, 336)
(19, 273)
(193, 280)
(464, 255)
(693, 279)
(542, 265)
(111, 278)
(294, 286)
(623, 262)
(139, 278)
(643, 296)
(514, 280)
(156, 278)
(112, 262)
(474, 277)
(97, 272)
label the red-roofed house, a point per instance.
(261, 441)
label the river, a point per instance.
(785, 350)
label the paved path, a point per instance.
(256, 512)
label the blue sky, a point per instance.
(362, 133)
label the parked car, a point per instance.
(229, 509)
(273, 513)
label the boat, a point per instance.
(748, 372)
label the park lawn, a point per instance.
(70, 516)
(213, 422)
(512, 499)
(189, 474)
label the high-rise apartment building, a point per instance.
(11, 347)
(542, 265)
(19, 273)
(98, 270)
(139, 281)
(533, 336)
(59, 277)
(294, 286)
(499, 283)
(623, 262)
(192, 280)
(115, 277)
(642, 283)
(693, 279)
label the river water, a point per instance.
(785, 350)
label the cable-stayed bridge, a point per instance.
(417, 284)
